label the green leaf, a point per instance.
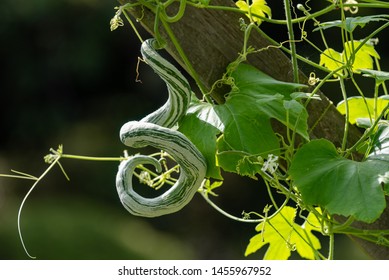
(246, 115)
(201, 125)
(247, 130)
(342, 186)
(304, 95)
(380, 76)
(238, 162)
(351, 23)
(380, 140)
(283, 236)
(362, 108)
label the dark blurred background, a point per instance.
(67, 79)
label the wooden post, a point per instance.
(211, 39)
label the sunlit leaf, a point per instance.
(362, 108)
(257, 8)
(312, 222)
(355, 54)
(209, 187)
(363, 57)
(331, 59)
(342, 186)
(283, 236)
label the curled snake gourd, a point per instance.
(156, 130)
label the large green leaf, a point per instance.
(342, 186)
(284, 236)
(255, 99)
(242, 124)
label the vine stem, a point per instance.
(376, 87)
(21, 176)
(299, 57)
(25, 199)
(228, 215)
(377, 63)
(93, 158)
(53, 159)
(244, 220)
(367, 133)
(363, 97)
(133, 26)
(331, 247)
(346, 124)
(186, 61)
(161, 16)
(292, 43)
(179, 14)
(269, 20)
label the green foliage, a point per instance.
(238, 136)
(238, 149)
(254, 100)
(342, 186)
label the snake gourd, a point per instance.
(156, 130)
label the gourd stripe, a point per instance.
(178, 87)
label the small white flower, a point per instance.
(352, 9)
(384, 179)
(271, 164)
(145, 178)
(116, 21)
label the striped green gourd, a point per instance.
(156, 130)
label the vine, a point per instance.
(215, 137)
